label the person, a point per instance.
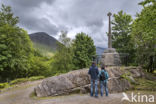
(93, 72)
(103, 78)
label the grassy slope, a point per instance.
(44, 50)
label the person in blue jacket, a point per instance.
(93, 72)
(103, 78)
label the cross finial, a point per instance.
(109, 14)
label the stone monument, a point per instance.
(110, 57)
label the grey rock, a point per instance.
(79, 82)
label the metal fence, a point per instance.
(126, 60)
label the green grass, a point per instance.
(144, 84)
(4, 85)
(36, 78)
(154, 73)
(18, 81)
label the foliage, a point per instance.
(62, 60)
(4, 85)
(143, 3)
(7, 17)
(84, 50)
(15, 51)
(121, 34)
(17, 56)
(144, 35)
(15, 46)
(74, 54)
(39, 66)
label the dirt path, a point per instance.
(21, 95)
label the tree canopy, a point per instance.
(84, 50)
(144, 34)
(121, 31)
(63, 57)
(15, 46)
(121, 38)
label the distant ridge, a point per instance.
(99, 50)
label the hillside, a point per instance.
(44, 43)
(44, 39)
(47, 44)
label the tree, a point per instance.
(144, 35)
(121, 37)
(84, 50)
(15, 47)
(63, 57)
(7, 17)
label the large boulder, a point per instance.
(63, 84)
(79, 81)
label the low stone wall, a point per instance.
(79, 81)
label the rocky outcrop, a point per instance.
(79, 81)
(63, 84)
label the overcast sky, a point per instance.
(74, 16)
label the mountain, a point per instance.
(44, 39)
(99, 50)
(43, 42)
(47, 44)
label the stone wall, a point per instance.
(79, 81)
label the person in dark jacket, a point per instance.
(93, 72)
(103, 78)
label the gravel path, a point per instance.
(21, 95)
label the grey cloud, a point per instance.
(28, 3)
(37, 24)
(25, 9)
(52, 16)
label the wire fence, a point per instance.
(126, 60)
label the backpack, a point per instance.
(102, 76)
